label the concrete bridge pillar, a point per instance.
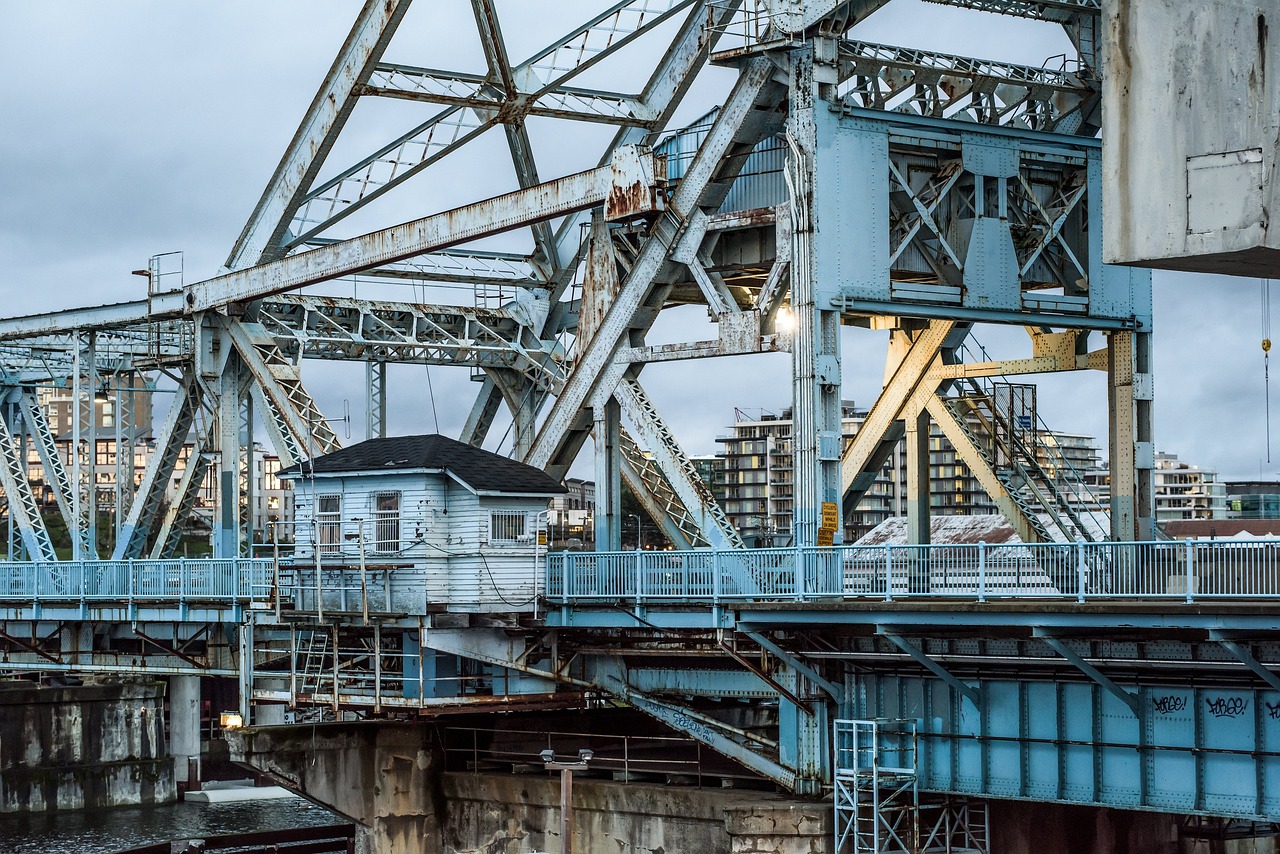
(184, 728)
(382, 776)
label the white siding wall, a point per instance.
(447, 543)
(492, 575)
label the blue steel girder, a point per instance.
(1195, 739)
(966, 222)
(1209, 748)
(909, 80)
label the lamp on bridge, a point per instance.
(566, 770)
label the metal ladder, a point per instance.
(314, 653)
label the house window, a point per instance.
(506, 526)
(329, 523)
(386, 522)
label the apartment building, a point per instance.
(1185, 491)
(755, 480)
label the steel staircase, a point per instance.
(1011, 451)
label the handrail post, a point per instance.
(1082, 571)
(798, 572)
(275, 570)
(319, 585)
(364, 581)
(182, 579)
(639, 575)
(717, 566)
(1191, 570)
(888, 573)
(982, 571)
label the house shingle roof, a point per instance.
(478, 468)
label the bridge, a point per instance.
(834, 185)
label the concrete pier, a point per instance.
(82, 747)
(184, 728)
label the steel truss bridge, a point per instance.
(838, 183)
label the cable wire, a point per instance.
(1266, 357)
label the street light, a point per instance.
(566, 770)
(637, 518)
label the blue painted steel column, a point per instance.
(605, 435)
(816, 437)
(226, 541)
(804, 732)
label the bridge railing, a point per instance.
(123, 581)
(1172, 570)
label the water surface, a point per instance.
(106, 831)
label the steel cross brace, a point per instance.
(281, 384)
(713, 525)
(1129, 698)
(1245, 657)
(945, 86)
(458, 89)
(164, 459)
(47, 450)
(262, 235)
(973, 693)
(835, 689)
(706, 730)
(188, 489)
(625, 186)
(22, 503)
(862, 458)
(30, 646)
(444, 132)
(555, 446)
(688, 52)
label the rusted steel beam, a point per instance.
(626, 187)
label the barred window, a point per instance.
(329, 523)
(506, 526)
(386, 522)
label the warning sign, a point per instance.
(542, 538)
(826, 537)
(830, 515)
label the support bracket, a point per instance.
(1130, 699)
(836, 690)
(974, 694)
(1245, 657)
(680, 719)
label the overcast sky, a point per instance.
(131, 128)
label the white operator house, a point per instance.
(436, 524)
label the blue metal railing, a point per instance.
(1168, 570)
(230, 581)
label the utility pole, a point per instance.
(566, 770)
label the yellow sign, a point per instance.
(542, 538)
(830, 515)
(826, 537)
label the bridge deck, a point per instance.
(1216, 584)
(179, 589)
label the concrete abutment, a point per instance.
(83, 747)
(389, 778)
